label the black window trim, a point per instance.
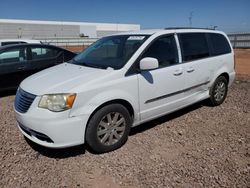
(210, 46)
(133, 69)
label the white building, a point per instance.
(34, 29)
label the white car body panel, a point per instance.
(57, 77)
(151, 87)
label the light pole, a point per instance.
(190, 18)
(19, 33)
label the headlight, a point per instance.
(57, 102)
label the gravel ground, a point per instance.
(199, 146)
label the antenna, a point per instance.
(190, 18)
(215, 27)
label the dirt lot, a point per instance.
(242, 57)
(75, 48)
(199, 146)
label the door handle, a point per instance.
(190, 69)
(178, 72)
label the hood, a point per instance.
(61, 79)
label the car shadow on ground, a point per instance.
(57, 153)
(81, 149)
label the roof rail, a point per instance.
(188, 28)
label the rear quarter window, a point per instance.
(219, 44)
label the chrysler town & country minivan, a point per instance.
(121, 81)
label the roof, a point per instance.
(30, 45)
(140, 32)
(177, 28)
(168, 30)
(20, 40)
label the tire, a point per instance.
(108, 128)
(218, 91)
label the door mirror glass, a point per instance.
(149, 63)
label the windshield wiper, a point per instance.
(88, 64)
(94, 65)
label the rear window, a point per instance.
(219, 43)
(194, 46)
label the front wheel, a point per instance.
(218, 91)
(108, 128)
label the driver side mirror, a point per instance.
(149, 63)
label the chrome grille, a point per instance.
(23, 100)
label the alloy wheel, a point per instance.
(111, 128)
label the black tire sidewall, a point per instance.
(212, 91)
(91, 131)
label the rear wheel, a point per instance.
(108, 129)
(218, 91)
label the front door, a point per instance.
(160, 90)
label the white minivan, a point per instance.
(121, 81)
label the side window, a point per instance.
(194, 46)
(219, 43)
(43, 53)
(164, 49)
(13, 56)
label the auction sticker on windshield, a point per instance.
(136, 37)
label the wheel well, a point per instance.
(225, 75)
(125, 103)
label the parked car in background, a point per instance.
(4, 42)
(22, 60)
(122, 81)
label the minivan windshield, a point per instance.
(112, 51)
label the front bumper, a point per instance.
(51, 129)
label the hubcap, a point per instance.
(219, 91)
(111, 128)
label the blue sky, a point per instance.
(228, 15)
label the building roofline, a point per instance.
(60, 22)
